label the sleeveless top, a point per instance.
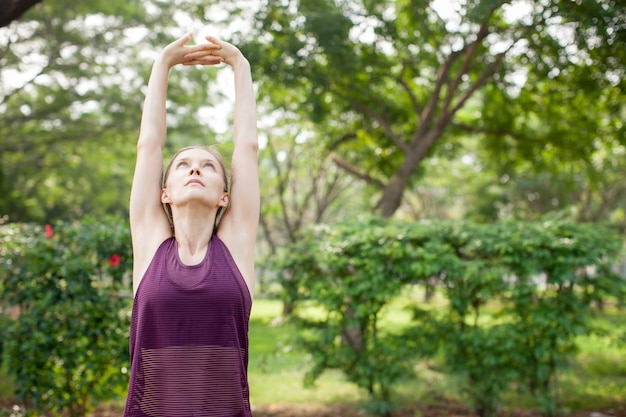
(189, 337)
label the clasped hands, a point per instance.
(213, 52)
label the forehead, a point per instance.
(197, 154)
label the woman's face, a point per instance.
(195, 174)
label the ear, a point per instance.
(224, 201)
(165, 198)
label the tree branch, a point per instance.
(13, 9)
(443, 75)
(323, 201)
(482, 79)
(447, 115)
(400, 79)
(266, 232)
(282, 181)
(440, 80)
(469, 55)
(384, 123)
(344, 138)
(351, 169)
(495, 132)
(308, 196)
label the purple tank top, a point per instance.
(189, 337)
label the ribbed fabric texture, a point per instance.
(189, 337)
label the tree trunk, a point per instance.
(13, 9)
(394, 190)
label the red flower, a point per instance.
(48, 231)
(114, 260)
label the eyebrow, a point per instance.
(186, 159)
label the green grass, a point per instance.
(277, 368)
(6, 382)
(6, 386)
(597, 376)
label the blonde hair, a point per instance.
(213, 151)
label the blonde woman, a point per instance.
(193, 239)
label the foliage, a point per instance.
(594, 380)
(544, 277)
(548, 154)
(518, 294)
(68, 347)
(71, 96)
(352, 276)
(296, 194)
(393, 81)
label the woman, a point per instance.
(193, 271)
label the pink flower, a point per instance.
(114, 260)
(48, 231)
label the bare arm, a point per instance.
(239, 225)
(245, 194)
(148, 221)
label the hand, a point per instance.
(178, 52)
(216, 48)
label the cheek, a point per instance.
(173, 179)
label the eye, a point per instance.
(181, 164)
(209, 165)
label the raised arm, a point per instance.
(243, 214)
(148, 221)
(239, 225)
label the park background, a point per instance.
(443, 200)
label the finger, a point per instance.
(214, 41)
(213, 60)
(184, 39)
(203, 54)
(204, 64)
(202, 49)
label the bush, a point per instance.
(539, 280)
(350, 272)
(544, 277)
(68, 348)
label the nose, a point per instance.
(194, 170)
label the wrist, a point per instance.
(240, 62)
(162, 62)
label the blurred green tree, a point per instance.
(71, 95)
(393, 80)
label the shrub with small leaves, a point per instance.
(538, 280)
(68, 347)
(352, 271)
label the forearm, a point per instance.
(245, 117)
(153, 120)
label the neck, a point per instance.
(193, 228)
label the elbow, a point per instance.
(254, 146)
(249, 143)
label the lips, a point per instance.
(194, 181)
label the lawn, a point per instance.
(277, 368)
